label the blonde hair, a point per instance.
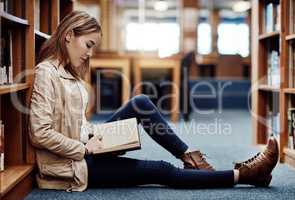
(80, 23)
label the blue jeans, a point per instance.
(112, 171)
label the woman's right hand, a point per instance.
(94, 144)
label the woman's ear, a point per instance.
(69, 36)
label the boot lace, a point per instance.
(248, 161)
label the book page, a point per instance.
(118, 133)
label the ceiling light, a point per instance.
(161, 5)
(241, 6)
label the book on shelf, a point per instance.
(6, 62)
(1, 6)
(273, 116)
(122, 135)
(291, 128)
(291, 65)
(291, 17)
(273, 69)
(1, 146)
(37, 15)
(272, 17)
(7, 6)
(278, 18)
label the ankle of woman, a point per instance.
(236, 176)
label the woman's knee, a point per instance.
(168, 167)
(141, 101)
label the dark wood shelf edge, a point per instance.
(42, 35)
(20, 172)
(14, 19)
(269, 35)
(13, 88)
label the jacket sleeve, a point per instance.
(42, 133)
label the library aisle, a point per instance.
(221, 151)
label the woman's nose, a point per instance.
(90, 52)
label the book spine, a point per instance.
(293, 126)
(5, 75)
(269, 21)
(278, 17)
(1, 146)
(37, 15)
(10, 75)
(293, 65)
(1, 75)
(290, 131)
(1, 6)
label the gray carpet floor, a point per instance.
(224, 137)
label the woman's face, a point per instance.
(80, 48)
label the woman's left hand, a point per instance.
(94, 144)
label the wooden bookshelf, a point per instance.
(266, 50)
(284, 37)
(17, 179)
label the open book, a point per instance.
(122, 135)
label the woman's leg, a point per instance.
(104, 171)
(153, 123)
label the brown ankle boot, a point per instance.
(195, 160)
(257, 170)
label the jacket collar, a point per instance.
(61, 70)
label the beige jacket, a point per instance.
(55, 123)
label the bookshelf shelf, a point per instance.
(13, 88)
(290, 37)
(13, 20)
(12, 175)
(276, 46)
(269, 35)
(268, 88)
(41, 35)
(289, 90)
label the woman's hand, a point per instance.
(94, 144)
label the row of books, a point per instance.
(292, 17)
(6, 61)
(1, 146)
(273, 115)
(7, 6)
(273, 124)
(291, 68)
(291, 128)
(273, 69)
(272, 17)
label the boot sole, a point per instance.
(264, 182)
